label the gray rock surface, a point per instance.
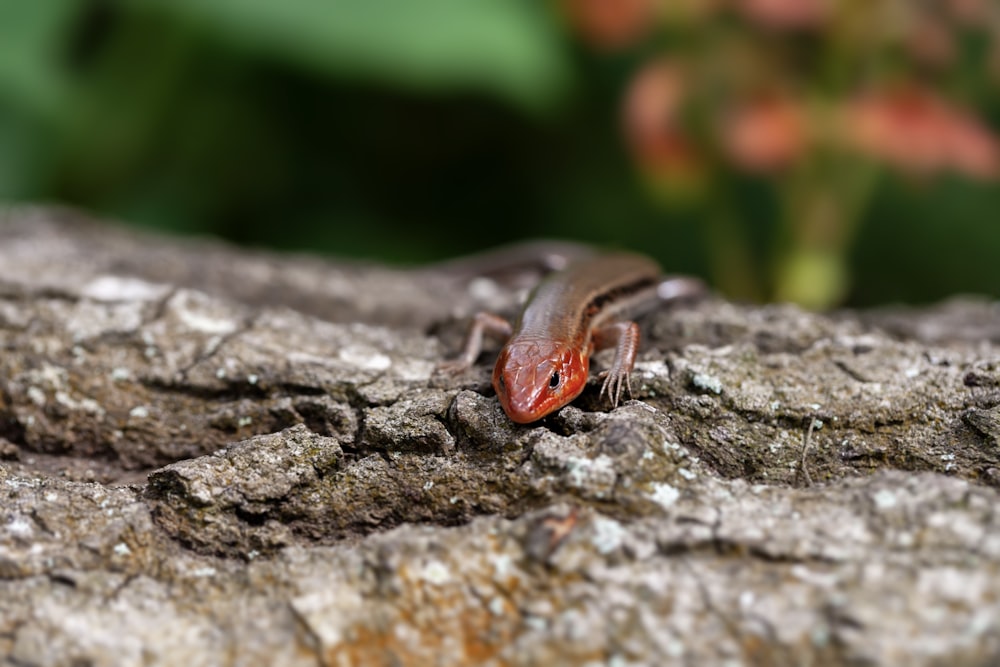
(215, 457)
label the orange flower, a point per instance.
(931, 41)
(968, 12)
(610, 24)
(765, 134)
(917, 131)
(658, 145)
(786, 14)
(974, 148)
(652, 101)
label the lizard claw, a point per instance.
(451, 367)
(614, 380)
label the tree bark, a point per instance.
(213, 456)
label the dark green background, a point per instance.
(393, 130)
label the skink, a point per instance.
(545, 362)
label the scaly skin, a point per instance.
(572, 312)
(534, 378)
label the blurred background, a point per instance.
(828, 152)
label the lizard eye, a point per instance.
(554, 381)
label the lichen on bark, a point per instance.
(211, 456)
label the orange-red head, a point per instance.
(535, 377)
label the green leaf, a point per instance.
(506, 47)
(32, 40)
(26, 157)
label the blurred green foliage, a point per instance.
(392, 130)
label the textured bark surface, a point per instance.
(211, 456)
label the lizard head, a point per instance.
(533, 378)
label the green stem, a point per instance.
(822, 206)
(732, 263)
